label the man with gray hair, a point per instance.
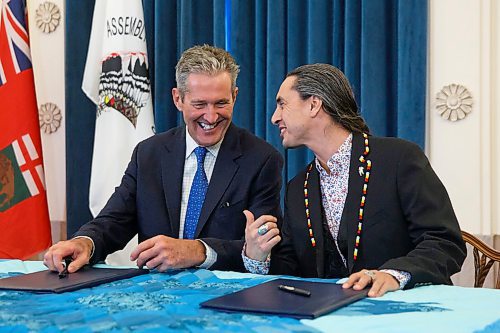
(185, 190)
(367, 208)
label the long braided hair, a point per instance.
(329, 84)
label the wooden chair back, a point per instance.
(484, 258)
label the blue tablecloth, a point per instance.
(163, 302)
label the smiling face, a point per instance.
(207, 106)
(292, 115)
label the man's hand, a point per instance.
(381, 282)
(162, 252)
(261, 236)
(78, 248)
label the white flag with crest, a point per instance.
(116, 79)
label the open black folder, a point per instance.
(49, 282)
(269, 298)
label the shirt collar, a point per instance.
(337, 157)
(191, 146)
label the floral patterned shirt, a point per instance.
(334, 186)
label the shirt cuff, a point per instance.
(402, 276)
(211, 256)
(93, 245)
(255, 266)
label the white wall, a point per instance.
(463, 48)
(464, 39)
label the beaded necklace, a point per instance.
(365, 162)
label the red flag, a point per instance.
(24, 217)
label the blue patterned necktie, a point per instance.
(196, 195)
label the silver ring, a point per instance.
(262, 229)
(371, 274)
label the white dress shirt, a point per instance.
(190, 166)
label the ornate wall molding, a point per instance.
(47, 17)
(454, 102)
(49, 116)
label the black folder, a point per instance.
(268, 298)
(49, 281)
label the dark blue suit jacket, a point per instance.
(409, 223)
(246, 175)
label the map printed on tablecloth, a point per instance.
(156, 302)
(169, 302)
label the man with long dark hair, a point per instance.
(368, 208)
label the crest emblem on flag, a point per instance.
(124, 85)
(6, 180)
(21, 173)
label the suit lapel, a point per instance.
(224, 170)
(172, 171)
(316, 213)
(349, 221)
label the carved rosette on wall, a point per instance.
(47, 17)
(49, 117)
(454, 102)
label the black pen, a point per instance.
(64, 273)
(293, 290)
